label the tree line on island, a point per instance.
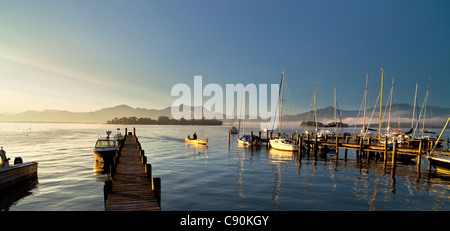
(163, 120)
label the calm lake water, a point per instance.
(216, 177)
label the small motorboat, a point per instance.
(11, 175)
(105, 148)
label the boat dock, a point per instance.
(132, 187)
(313, 143)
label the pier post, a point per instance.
(251, 138)
(361, 143)
(148, 170)
(134, 131)
(156, 183)
(337, 145)
(300, 141)
(229, 138)
(315, 145)
(107, 188)
(394, 153)
(419, 156)
(447, 143)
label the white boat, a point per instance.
(105, 148)
(441, 164)
(11, 175)
(440, 161)
(285, 144)
(196, 141)
(245, 140)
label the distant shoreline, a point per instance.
(225, 124)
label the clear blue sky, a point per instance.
(86, 55)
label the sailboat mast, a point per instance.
(315, 113)
(381, 103)
(426, 102)
(391, 95)
(414, 108)
(335, 110)
(281, 101)
(365, 103)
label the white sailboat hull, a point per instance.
(281, 144)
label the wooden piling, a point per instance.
(394, 152)
(300, 143)
(337, 145)
(419, 156)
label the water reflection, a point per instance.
(14, 194)
(198, 151)
(278, 160)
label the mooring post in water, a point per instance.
(251, 138)
(419, 156)
(229, 138)
(148, 170)
(300, 145)
(107, 187)
(394, 152)
(337, 145)
(315, 145)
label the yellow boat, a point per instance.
(197, 141)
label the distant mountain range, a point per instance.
(402, 112)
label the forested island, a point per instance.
(163, 120)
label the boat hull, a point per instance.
(105, 155)
(247, 143)
(197, 141)
(281, 144)
(442, 164)
(15, 174)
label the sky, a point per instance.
(87, 55)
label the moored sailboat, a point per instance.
(280, 143)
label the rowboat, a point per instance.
(196, 141)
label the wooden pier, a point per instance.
(132, 187)
(313, 143)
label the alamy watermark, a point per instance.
(234, 102)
